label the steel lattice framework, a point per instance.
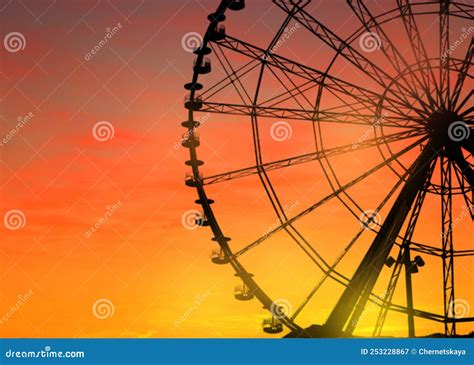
(425, 99)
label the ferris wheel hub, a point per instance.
(439, 126)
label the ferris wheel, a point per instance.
(414, 100)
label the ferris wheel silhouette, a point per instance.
(425, 97)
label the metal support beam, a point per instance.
(355, 296)
(447, 245)
(404, 259)
(409, 290)
(444, 54)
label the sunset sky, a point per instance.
(92, 175)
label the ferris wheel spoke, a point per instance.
(260, 111)
(464, 166)
(468, 143)
(355, 107)
(467, 112)
(392, 54)
(225, 82)
(417, 45)
(230, 72)
(329, 197)
(308, 115)
(464, 11)
(444, 78)
(349, 90)
(352, 55)
(286, 95)
(293, 93)
(463, 102)
(365, 98)
(296, 160)
(362, 103)
(462, 73)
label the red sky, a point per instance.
(140, 262)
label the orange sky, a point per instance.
(103, 219)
